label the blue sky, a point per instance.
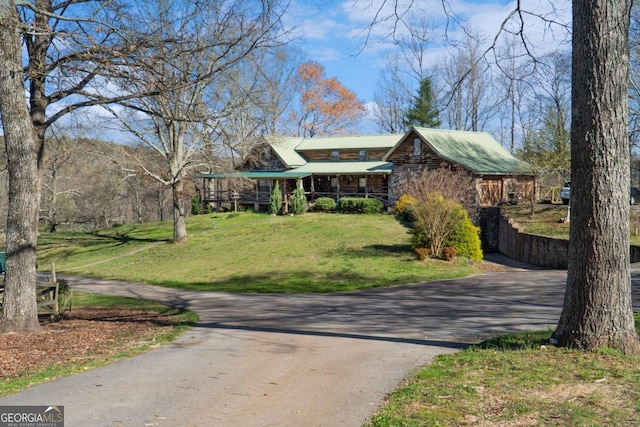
(332, 31)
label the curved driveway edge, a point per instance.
(295, 360)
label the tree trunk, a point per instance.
(179, 224)
(19, 310)
(597, 308)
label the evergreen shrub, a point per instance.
(299, 203)
(275, 200)
(324, 204)
(196, 204)
(403, 206)
(465, 237)
(358, 205)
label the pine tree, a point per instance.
(275, 200)
(299, 200)
(423, 111)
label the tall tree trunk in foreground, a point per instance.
(597, 308)
(19, 311)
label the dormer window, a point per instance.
(417, 147)
(363, 155)
(335, 155)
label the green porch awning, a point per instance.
(257, 175)
(313, 168)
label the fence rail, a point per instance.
(262, 197)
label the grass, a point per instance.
(180, 320)
(514, 380)
(252, 253)
(518, 380)
(547, 220)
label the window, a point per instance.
(363, 155)
(335, 156)
(417, 147)
(362, 185)
(264, 185)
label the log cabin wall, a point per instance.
(344, 155)
(263, 159)
(350, 184)
(403, 155)
(491, 189)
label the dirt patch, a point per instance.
(88, 334)
(490, 267)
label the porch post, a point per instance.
(366, 187)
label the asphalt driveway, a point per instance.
(296, 360)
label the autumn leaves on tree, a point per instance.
(325, 106)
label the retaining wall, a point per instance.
(538, 250)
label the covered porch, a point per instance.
(252, 189)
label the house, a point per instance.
(499, 176)
(368, 166)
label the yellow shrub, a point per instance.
(404, 203)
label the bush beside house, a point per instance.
(357, 205)
(324, 204)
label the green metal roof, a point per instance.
(285, 149)
(346, 168)
(349, 142)
(477, 151)
(293, 174)
(313, 168)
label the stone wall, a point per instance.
(488, 219)
(538, 250)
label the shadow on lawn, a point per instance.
(96, 241)
(301, 282)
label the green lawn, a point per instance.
(252, 253)
(509, 381)
(518, 380)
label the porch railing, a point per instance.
(262, 197)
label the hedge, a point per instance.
(358, 205)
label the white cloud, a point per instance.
(327, 54)
(334, 31)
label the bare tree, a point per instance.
(256, 95)
(75, 51)
(182, 120)
(546, 145)
(58, 189)
(69, 46)
(401, 78)
(515, 69)
(19, 311)
(392, 99)
(467, 102)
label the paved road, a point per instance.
(296, 360)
